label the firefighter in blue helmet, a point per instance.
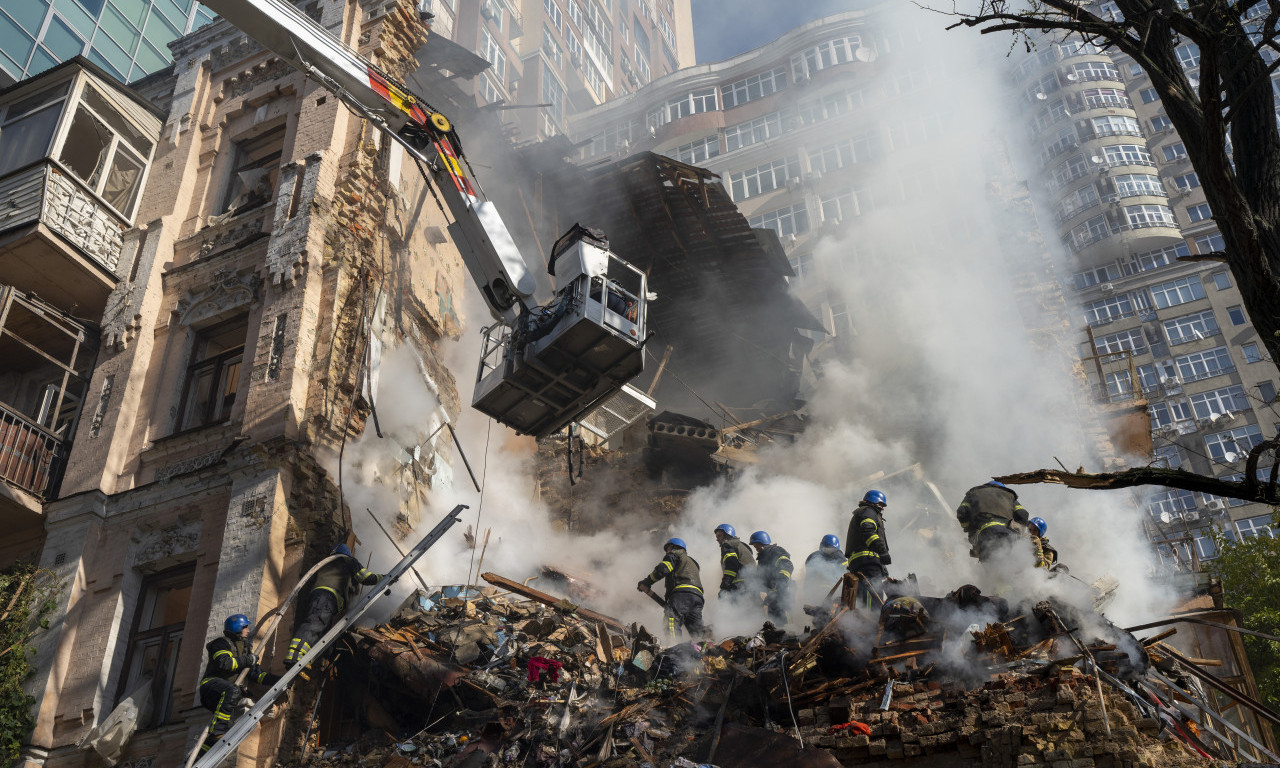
(992, 518)
(333, 585)
(774, 570)
(823, 568)
(1045, 553)
(229, 655)
(736, 561)
(867, 546)
(683, 589)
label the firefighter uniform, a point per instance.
(867, 550)
(822, 569)
(991, 517)
(775, 571)
(228, 656)
(736, 561)
(683, 591)
(333, 584)
(1045, 553)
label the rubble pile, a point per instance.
(512, 676)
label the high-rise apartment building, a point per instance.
(790, 129)
(127, 38)
(553, 58)
(1173, 334)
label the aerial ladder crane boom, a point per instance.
(542, 367)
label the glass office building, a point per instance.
(127, 38)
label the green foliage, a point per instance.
(26, 599)
(1250, 574)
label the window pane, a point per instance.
(62, 41)
(73, 12)
(124, 33)
(132, 10)
(116, 60)
(27, 140)
(150, 59)
(28, 13)
(41, 60)
(13, 41)
(84, 151)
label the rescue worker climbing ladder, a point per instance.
(684, 598)
(228, 655)
(868, 547)
(327, 599)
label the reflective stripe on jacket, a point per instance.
(984, 504)
(866, 539)
(775, 566)
(678, 570)
(735, 560)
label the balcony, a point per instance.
(74, 154)
(45, 361)
(58, 242)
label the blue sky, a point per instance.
(724, 28)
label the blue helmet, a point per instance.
(875, 497)
(235, 623)
(831, 540)
(675, 541)
(998, 484)
(760, 537)
(728, 530)
(341, 549)
(1039, 524)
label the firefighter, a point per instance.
(229, 655)
(775, 571)
(1045, 553)
(867, 546)
(823, 568)
(736, 561)
(991, 517)
(683, 589)
(333, 585)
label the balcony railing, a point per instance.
(30, 457)
(1090, 76)
(46, 193)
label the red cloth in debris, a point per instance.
(853, 725)
(540, 664)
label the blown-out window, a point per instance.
(255, 172)
(105, 152)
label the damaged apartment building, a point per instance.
(194, 271)
(197, 269)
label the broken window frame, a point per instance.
(40, 427)
(224, 370)
(125, 145)
(263, 150)
(167, 638)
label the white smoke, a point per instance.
(942, 373)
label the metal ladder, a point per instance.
(247, 722)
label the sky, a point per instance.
(756, 22)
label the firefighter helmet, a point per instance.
(675, 541)
(831, 540)
(761, 537)
(728, 530)
(235, 623)
(1040, 524)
